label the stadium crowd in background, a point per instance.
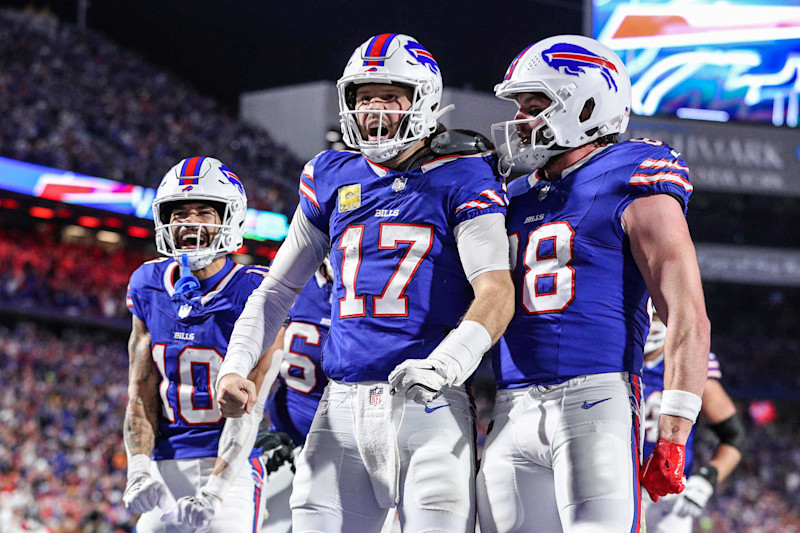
(77, 101)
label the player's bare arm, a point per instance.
(664, 252)
(493, 306)
(141, 414)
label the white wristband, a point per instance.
(681, 403)
(139, 463)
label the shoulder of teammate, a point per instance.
(646, 167)
(319, 184)
(148, 276)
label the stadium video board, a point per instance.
(734, 60)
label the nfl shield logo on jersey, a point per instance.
(376, 396)
(184, 310)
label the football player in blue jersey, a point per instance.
(675, 513)
(415, 225)
(186, 463)
(595, 228)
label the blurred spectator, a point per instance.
(77, 101)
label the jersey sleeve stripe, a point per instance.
(663, 163)
(308, 171)
(473, 204)
(493, 196)
(309, 193)
(128, 301)
(671, 177)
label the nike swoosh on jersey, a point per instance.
(589, 405)
(432, 409)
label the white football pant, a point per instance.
(278, 518)
(563, 458)
(241, 507)
(333, 490)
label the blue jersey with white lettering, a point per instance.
(580, 298)
(189, 339)
(301, 380)
(399, 284)
(653, 383)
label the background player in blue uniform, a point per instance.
(300, 386)
(675, 512)
(592, 230)
(415, 227)
(183, 316)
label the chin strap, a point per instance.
(187, 282)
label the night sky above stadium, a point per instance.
(226, 47)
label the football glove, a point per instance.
(450, 363)
(277, 448)
(142, 491)
(699, 488)
(198, 510)
(662, 471)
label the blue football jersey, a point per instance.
(189, 339)
(399, 284)
(580, 298)
(301, 380)
(653, 383)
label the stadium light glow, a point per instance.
(138, 232)
(89, 222)
(108, 236)
(41, 212)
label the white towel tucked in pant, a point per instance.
(376, 416)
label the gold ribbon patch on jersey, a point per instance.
(349, 197)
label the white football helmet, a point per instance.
(575, 73)
(391, 58)
(202, 180)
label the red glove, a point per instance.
(662, 471)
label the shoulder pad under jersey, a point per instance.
(460, 142)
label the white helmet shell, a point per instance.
(574, 72)
(201, 180)
(391, 58)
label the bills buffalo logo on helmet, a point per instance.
(421, 54)
(574, 60)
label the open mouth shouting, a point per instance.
(193, 239)
(377, 130)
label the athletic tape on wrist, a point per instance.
(216, 486)
(467, 344)
(138, 463)
(681, 403)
